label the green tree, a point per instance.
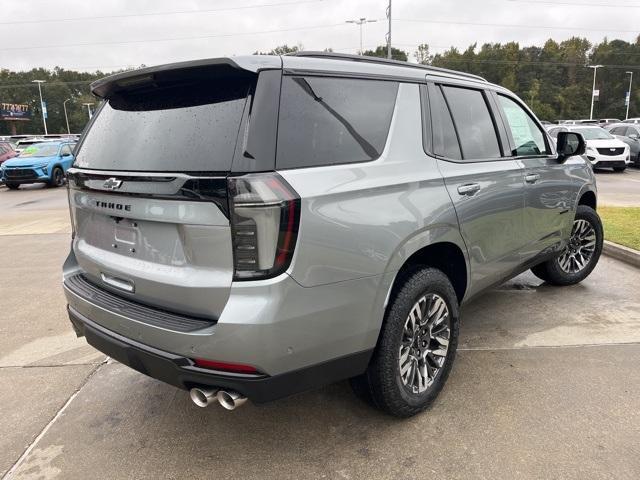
(381, 51)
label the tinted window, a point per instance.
(445, 141)
(188, 125)
(66, 150)
(326, 121)
(631, 131)
(473, 122)
(619, 130)
(528, 138)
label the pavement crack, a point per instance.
(46, 428)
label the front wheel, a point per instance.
(13, 186)
(581, 254)
(416, 348)
(57, 177)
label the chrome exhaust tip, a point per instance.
(203, 397)
(230, 399)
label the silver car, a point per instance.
(252, 227)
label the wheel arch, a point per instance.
(588, 198)
(440, 247)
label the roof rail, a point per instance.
(383, 61)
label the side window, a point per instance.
(631, 131)
(329, 121)
(618, 130)
(473, 122)
(2, 149)
(527, 136)
(66, 150)
(553, 133)
(445, 140)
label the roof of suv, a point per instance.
(298, 62)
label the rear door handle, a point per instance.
(531, 178)
(469, 189)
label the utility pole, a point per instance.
(389, 32)
(88, 105)
(43, 108)
(360, 22)
(66, 118)
(595, 70)
(629, 95)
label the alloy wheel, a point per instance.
(579, 251)
(425, 342)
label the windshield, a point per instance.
(185, 127)
(40, 150)
(593, 133)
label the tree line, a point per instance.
(554, 79)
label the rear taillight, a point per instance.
(265, 214)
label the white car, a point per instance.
(603, 149)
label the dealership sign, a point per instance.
(14, 111)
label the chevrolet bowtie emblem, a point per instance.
(111, 184)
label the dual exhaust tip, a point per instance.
(203, 397)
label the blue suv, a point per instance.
(45, 162)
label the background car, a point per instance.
(44, 162)
(608, 121)
(629, 134)
(603, 149)
(632, 120)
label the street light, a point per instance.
(88, 105)
(595, 70)
(629, 95)
(66, 118)
(361, 22)
(43, 109)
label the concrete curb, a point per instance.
(622, 253)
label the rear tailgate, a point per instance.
(148, 190)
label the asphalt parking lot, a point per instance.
(546, 385)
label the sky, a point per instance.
(114, 34)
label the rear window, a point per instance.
(329, 121)
(186, 126)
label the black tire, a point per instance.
(619, 169)
(381, 385)
(12, 186)
(57, 178)
(551, 271)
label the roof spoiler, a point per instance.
(144, 77)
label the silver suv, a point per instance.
(252, 227)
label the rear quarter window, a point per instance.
(329, 121)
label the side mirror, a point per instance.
(570, 144)
(66, 154)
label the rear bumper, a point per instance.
(179, 371)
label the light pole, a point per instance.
(595, 70)
(66, 118)
(629, 95)
(43, 109)
(389, 32)
(88, 105)
(360, 22)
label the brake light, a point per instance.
(265, 215)
(224, 366)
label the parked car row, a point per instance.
(36, 160)
(603, 150)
